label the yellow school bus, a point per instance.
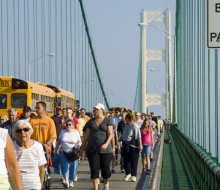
(17, 93)
(63, 98)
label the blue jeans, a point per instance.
(146, 150)
(68, 169)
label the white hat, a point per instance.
(137, 113)
(100, 106)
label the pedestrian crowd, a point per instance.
(105, 139)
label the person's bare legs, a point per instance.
(148, 162)
(105, 181)
(144, 162)
(95, 183)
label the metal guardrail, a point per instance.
(158, 166)
(203, 171)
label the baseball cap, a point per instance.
(26, 108)
(137, 113)
(99, 106)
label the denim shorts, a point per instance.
(146, 150)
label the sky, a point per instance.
(116, 39)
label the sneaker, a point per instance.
(106, 187)
(63, 180)
(76, 178)
(143, 170)
(148, 171)
(122, 171)
(71, 184)
(127, 177)
(85, 158)
(133, 178)
(113, 171)
(66, 184)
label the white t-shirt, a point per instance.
(28, 161)
(139, 122)
(68, 139)
(115, 120)
(3, 136)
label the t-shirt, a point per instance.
(80, 126)
(131, 132)
(29, 160)
(115, 120)
(146, 137)
(98, 135)
(121, 126)
(3, 137)
(139, 122)
(159, 124)
(69, 139)
(86, 118)
(44, 129)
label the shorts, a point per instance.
(146, 150)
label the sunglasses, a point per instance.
(68, 124)
(20, 130)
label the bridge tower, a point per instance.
(144, 99)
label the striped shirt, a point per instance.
(29, 160)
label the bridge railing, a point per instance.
(204, 172)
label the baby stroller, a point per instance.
(47, 184)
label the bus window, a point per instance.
(3, 101)
(59, 101)
(18, 100)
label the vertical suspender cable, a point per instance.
(7, 41)
(2, 52)
(82, 70)
(25, 45)
(28, 36)
(61, 33)
(44, 42)
(36, 25)
(75, 53)
(19, 62)
(56, 39)
(50, 45)
(79, 58)
(34, 38)
(92, 51)
(14, 38)
(42, 36)
(71, 47)
(67, 60)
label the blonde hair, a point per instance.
(4, 116)
(149, 129)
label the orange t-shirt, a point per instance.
(44, 129)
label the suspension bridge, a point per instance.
(50, 42)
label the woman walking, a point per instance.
(99, 149)
(131, 141)
(69, 142)
(30, 156)
(147, 138)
